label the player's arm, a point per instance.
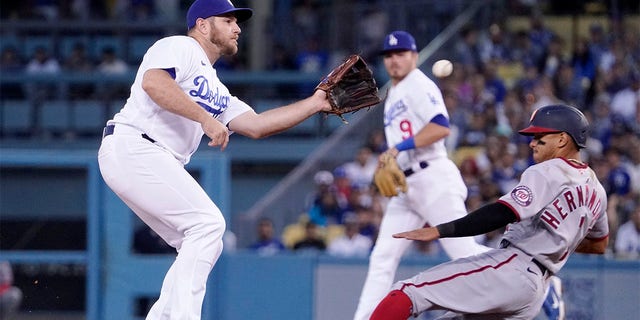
(260, 125)
(436, 130)
(165, 92)
(480, 221)
(596, 246)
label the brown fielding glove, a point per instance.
(350, 87)
(388, 177)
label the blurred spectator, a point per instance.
(627, 242)
(10, 295)
(569, 86)
(633, 165)
(504, 173)
(111, 65)
(368, 221)
(312, 241)
(494, 84)
(376, 141)
(618, 180)
(342, 183)
(495, 46)
(360, 170)
(481, 95)
(552, 58)
(626, 102)
(540, 35)
(78, 61)
(361, 196)
(311, 59)
(475, 133)
(42, 64)
(467, 51)
(457, 119)
(524, 51)
(351, 243)
(267, 244)
(11, 63)
(544, 94)
(583, 63)
(469, 171)
(323, 204)
(306, 18)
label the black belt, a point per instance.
(410, 171)
(505, 243)
(108, 130)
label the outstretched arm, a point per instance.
(480, 221)
(270, 122)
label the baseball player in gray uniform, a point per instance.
(416, 123)
(558, 207)
(177, 98)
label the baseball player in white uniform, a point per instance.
(416, 123)
(175, 99)
(558, 207)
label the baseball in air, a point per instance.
(442, 68)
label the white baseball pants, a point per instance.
(170, 201)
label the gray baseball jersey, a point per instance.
(559, 202)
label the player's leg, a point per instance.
(386, 255)
(489, 285)
(165, 196)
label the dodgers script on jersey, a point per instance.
(407, 110)
(181, 136)
(562, 197)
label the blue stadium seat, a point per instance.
(138, 46)
(54, 116)
(16, 116)
(89, 116)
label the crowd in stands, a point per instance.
(500, 77)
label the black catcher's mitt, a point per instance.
(350, 87)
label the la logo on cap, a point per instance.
(393, 40)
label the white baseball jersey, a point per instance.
(410, 105)
(149, 176)
(436, 193)
(559, 203)
(195, 75)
